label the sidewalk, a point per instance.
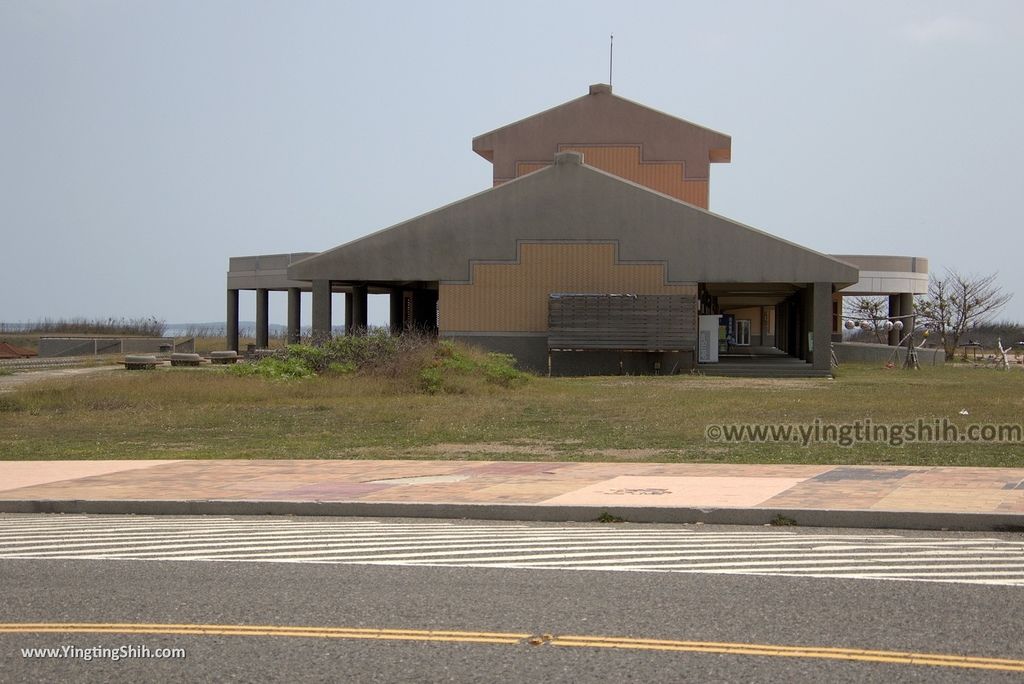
(827, 496)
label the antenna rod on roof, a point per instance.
(611, 49)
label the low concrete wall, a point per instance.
(860, 352)
(604, 362)
(531, 353)
(89, 346)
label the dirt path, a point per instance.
(9, 383)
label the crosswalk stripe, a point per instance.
(669, 562)
(419, 548)
(269, 540)
(362, 537)
(768, 552)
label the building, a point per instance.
(593, 252)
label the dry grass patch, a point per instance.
(208, 413)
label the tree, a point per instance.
(873, 310)
(957, 302)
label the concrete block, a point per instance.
(223, 357)
(139, 362)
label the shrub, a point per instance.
(375, 351)
(10, 404)
(500, 369)
(274, 368)
(431, 380)
(412, 361)
(455, 369)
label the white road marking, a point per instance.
(770, 552)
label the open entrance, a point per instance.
(757, 329)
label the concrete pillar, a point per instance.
(359, 293)
(783, 327)
(807, 320)
(907, 309)
(796, 308)
(821, 332)
(894, 310)
(780, 324)
(762, 327)
(231, 324)
(321, 320)
(348, 313)
(837, 318)
(262, 318)
(789, 309)
(397, 309)
(794, 332)
(294, 315)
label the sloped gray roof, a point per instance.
(570, 201)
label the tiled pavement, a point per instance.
(636, 485)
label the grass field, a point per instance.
(208, 413)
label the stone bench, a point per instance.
(139, 362)
(225, 357)
(184, 359)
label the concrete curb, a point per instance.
(907, 520)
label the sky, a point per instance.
(144, 142)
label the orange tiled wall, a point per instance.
(513, 297)
(624, 161)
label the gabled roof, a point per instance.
(570, 201)
(601, 118)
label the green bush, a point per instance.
(10, 404)
(500, 369)
(431, 380)
(341, 368)
(350, 353)
(313, 358)
(274, 368)
(455, 369)
(414, 362)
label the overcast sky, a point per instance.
(142, 143)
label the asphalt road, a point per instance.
(901, 616)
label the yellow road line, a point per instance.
(509, 638)
(830, 653)
(264, 630)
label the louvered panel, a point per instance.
(622, 322)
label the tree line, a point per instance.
(958, 308)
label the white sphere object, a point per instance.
(849, 325)
(865, 325)
(888, 325)
(898, 325)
